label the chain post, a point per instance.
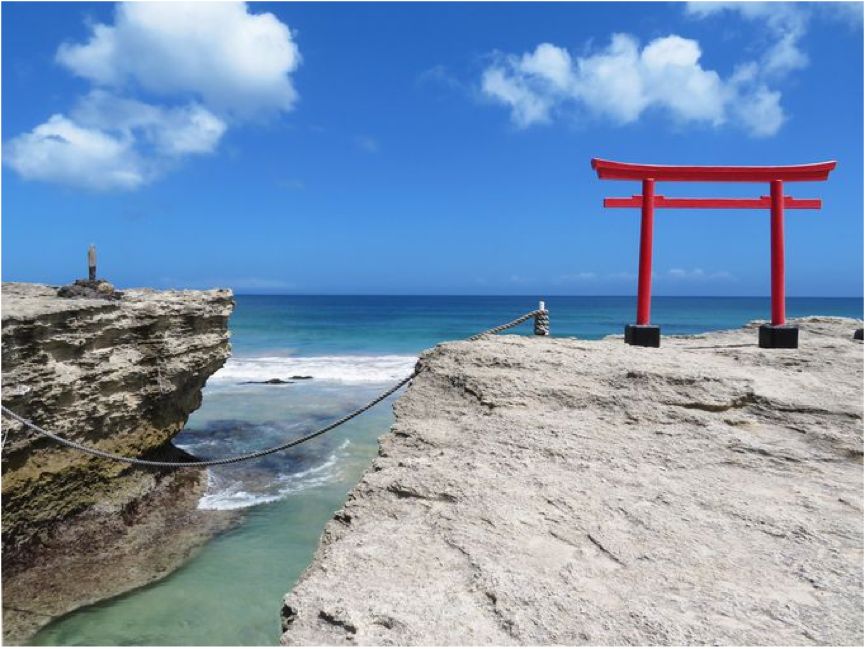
(542, 320)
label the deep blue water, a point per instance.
(352, 347)
(323, 325)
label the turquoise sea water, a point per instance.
(352, 347)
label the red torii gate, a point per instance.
(778, 334)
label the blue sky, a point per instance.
(434, 148)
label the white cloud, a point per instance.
(785, 23)
(622, 81)
(440, 75)
(849, 13)
(680, 273)
(64, 152)
(233, 60)
(527, 106)
(583, 276)
(111, 143)
(173, 131)
(190, 129)
(551, 63)
(611, 82)
(697, 274)
(760, 111)
(216, 64)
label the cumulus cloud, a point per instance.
(64, 152)
(110, 142)
(624, 80)
(171, 131)
(202, 66)
(233, 60)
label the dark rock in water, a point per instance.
(301, 378)
(86, 288)
(269, 382)
(225, 437)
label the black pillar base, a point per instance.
(643, 335)
(857, 335)
(779, 336)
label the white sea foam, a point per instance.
(341, 369)
(234, 498)
(225, 494)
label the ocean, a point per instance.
(352, 347)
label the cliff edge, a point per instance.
(559, 491)
(122, 375)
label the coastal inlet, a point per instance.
(259, 402)
(229, 592)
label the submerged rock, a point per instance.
(557, 491)
(123, 375)
(277, 381)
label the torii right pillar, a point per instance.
(777, 334)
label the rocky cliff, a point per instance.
(555, 491)
(122, 375)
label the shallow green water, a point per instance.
(231, 592)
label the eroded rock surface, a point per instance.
(556, 491)
(123, 375)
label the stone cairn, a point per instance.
(90, 287)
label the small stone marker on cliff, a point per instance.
(90, 287)
(91, 262)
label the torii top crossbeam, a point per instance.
(609, 170)
(775, 176)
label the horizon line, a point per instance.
(539, 296)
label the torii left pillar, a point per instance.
(643, 333)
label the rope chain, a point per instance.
(256, 454)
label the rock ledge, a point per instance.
(122, 374)
(557, 491)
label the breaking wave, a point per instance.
(340, 369)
